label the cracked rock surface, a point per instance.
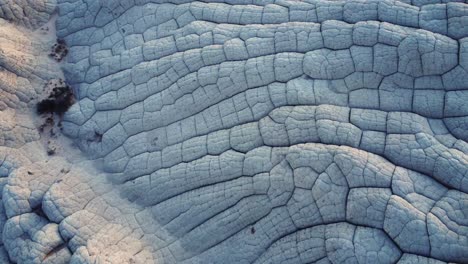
(235, 131)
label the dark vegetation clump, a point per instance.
(58, 102)
(59, 50)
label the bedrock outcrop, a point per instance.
(236, 131)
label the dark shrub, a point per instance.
(58, 102)
(46, 106)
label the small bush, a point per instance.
(58, 102)
(46, 106)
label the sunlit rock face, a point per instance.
(28, 13)
(56, 208)
(237, 131)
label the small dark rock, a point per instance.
(98, 136)
(50, 152)
(59, 50)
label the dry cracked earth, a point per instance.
(234, 131)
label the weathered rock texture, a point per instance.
(242, 131)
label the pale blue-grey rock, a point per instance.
(235, 131)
